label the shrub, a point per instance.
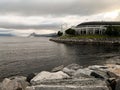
(113, 31)
(60, 33)
(70, 31)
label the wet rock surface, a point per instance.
(30, 76)
(67, 87)
(45, 75)
(14, 83)
(71, 77)
(117, 86)
(59, 68)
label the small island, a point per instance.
(91, 33)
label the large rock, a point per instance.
(112, 75)
(73, 66)
(117, 84)
(44, 75)
(111, 82)
(71, 69)
(30, 77)
(59, 68)
(98, 67)
(81, 76)
(68, 71)
(114, 68)
(16, 83)
(85, 71)
(100, 74)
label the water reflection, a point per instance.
(21, 56)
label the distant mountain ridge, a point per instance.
(8, 35)
(43, 35)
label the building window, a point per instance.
(84, 32)
(97, 31)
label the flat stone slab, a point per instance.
(70, 84)
(66, 87)
(78, 82)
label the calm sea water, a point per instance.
(21, 56)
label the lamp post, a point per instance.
(63, 27)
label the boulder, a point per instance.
(71, 69)
(114, 68)
(98, 67)
(5, 84)
(59, 68)
(100, 74)
(112, 75)
(68, 71)
(45, 75)
(30, 88)
(18, 78)
(117, 84)
(16, 83)
(111, 82)
(85, 71)
(81, 76)
(29, 77)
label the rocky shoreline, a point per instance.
(71, 77)
(102, 41)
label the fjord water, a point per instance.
(21, 56)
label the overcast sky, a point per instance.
(22, 17)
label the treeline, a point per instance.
(68, 31)
(113, 31)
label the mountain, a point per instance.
(43, 35)
(8, 35)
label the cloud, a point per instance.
(27, 16)
(23, 27)
(36, 22)
(118, 17)
(57, 7)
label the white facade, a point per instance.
(95, 27)
(92, 29)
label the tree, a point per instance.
(70, 31)
(60, 33)
(113, 31)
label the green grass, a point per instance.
(86, 36)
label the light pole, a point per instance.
(63, 27)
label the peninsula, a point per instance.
(91, 33)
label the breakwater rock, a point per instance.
(102, 41)
(71, 77)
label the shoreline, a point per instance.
(108, 41)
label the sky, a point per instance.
(22, 17)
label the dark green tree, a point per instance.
(60, 33)
(70, 31)
(113, 31)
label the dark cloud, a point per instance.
(57, 7)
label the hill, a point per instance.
(43, 35)
(6, 35)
